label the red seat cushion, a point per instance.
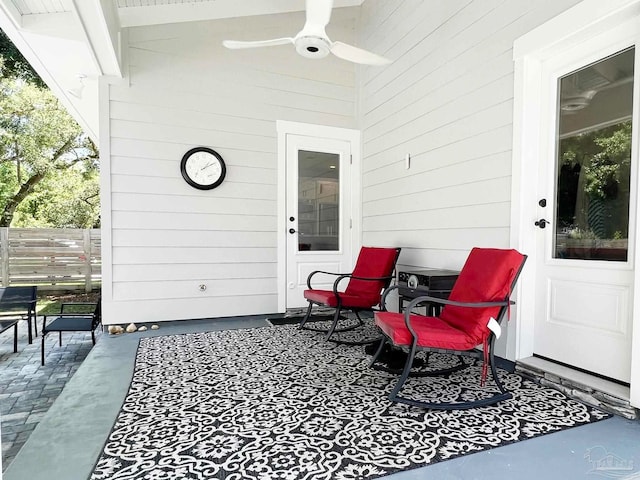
(432, 332)
(326, 297)
(373, 262)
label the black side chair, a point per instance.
(72, 322)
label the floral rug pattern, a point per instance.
(281, 403)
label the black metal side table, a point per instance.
(430, 281)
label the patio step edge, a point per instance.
(579, 390)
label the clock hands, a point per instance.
(203, 168)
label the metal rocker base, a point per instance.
(334, 327)
(398, 371)
(406, 373)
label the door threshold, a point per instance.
(598, 392)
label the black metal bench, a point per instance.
(17, 303)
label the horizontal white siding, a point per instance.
(183, 90)
(447, 100)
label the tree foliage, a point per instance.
(15, 65)
(599, 161)
(48, 165)
(605, 154)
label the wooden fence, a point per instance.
(52, 259)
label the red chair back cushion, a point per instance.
(373, 262)
(487, 276)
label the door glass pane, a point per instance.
(594, 160)
(318, 201)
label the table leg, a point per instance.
(29, 317)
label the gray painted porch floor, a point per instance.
(69, 438)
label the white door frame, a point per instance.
(285, 128)
(583, 21)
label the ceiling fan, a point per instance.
(312, 41)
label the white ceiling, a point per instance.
(64, 39)
(35, 7)
(146, 3)
(151, 12)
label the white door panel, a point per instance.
(586, 323)
(318, 211)
(586, 193)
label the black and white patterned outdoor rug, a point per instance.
(281, 403)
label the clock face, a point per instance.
(203, 168)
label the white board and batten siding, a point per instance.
(183, 90)
(447, 100)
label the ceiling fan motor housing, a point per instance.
(312, 47)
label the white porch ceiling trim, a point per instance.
(100, 28)
(135, 13)
(34, 7)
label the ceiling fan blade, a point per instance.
(236, 44)
(357, 55)
(318, 13)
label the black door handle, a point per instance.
(542, 223)
(292, 230)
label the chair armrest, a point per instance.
(442, 301)
(386, 293)
(372, 279)
(326, 273)
(351, 276)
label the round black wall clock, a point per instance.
(203, 168)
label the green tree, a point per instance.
(64, 199)
(15, 65)
(45, 157)
(603, 158)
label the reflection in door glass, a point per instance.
(318, 201)
(594, 160)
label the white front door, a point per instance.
(586, 209)
(318, 212)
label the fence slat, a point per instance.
(4, 252)
(53, 259)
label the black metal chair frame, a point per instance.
(486, 356)
(6, 324)
(19, 304)
(95, 318)
(339, 307)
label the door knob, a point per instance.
(292, 230)
(542, 223)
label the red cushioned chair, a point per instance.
(373, 273)
(480, 293)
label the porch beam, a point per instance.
(190, 12)
(100, 28)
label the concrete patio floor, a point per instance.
(70, 437)
(27, 389)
